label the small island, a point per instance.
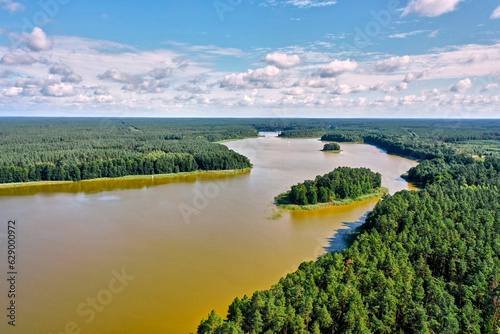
(342, 186)
(331, 147)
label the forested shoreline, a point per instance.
(424, 261)
(82, 149)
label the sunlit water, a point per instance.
(187, 245)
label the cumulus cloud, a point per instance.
(147, 86)
(37, 40)
(496, 13)
(461, 86)
(101, 91)
(267, 77)
(282, 60)
(72, 78)
(15, 59)
(116, 75)
(66, 73)
(12, 91)
(60, 69)
(161, 72)
(387, 99)
(31, 82)
(294, 91)
(316, 82)
(337, 67)
(430, 8)
(191, 89)
(11, 6)
(414, 76)
(392, 64)
(58, 90)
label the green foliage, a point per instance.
(342, 183)
(78, 149)
(331, 147)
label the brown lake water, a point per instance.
(156, 256)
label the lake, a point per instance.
(155, 256)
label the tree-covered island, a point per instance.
(331, 147)
(341, 186)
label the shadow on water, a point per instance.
(102, 185)
(342, 238)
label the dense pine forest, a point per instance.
(341, 183)
(45, 149)
(425, 261)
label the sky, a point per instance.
(250, 58)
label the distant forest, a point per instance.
(424, 261)
(73, 149)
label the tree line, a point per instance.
(79, 149)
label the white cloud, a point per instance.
(343, 89)
(58, 90)
(11, 6)
(267, 77)
(489, 87)
(12, 91)
(434, 33)
(414, 76)
(337, 67)
(282, 60)
(496, 13)
(406, 34)
(461, 86)
(473, 58)
(60, 69)
(72, 78)
(16, 59)
(161, 73)
(37, 40)
(310, 3)
(116, 75)
(294, 91)
(392, 64)
(430, 8)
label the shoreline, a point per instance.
(129, 177)
(313, 207)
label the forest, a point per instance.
(56, 149)
(73, 149)
(331, 147)
(423, 262)
(341, 183)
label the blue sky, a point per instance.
(245, 58)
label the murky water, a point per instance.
(155, 256)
